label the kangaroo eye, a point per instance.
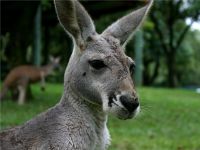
(132, 68)
(97, 64)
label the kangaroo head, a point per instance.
(54, 62)
(99, 71)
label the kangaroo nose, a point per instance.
(129, 102)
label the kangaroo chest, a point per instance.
(90, 136)
(79, 131)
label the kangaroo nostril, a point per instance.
(129, 103)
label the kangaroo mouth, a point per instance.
(114, 102)
(111, 100)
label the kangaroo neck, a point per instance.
(88, 110)
(90, 115)
(47, 69)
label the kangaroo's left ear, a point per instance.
(75, 20)
(51, 58)
(124, 28)
(57, 59)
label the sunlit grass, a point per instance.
(13, 114)
(169, 119)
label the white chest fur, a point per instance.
(104, 139)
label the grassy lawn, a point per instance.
(169, 120)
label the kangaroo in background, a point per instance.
(97, 82)
(19, 78)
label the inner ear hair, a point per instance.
(75, 20)
(124, 28)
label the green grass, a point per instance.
(169, 119)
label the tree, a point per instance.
(187, 72)
(152, 55)
(169, 19)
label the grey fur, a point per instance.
(78, 122)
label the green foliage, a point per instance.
(192, 9)
(188, 59)
(169, 55)
(169, 119)
(46, 4)
(168, 13)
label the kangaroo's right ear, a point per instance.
(51, 58)
(75, 20)
(124, 28)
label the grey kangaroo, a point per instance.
(97, 82)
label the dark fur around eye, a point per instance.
(97, 64)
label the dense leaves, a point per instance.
(170, 55)
(168, 35)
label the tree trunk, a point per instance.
(138, 46)
(37, 38)
(171, 66)
(46, 42)
(156, 69)
(146, 74)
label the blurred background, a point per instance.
(166, 50)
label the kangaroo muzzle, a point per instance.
(128, 96)
(129, 102)
(124, 105)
